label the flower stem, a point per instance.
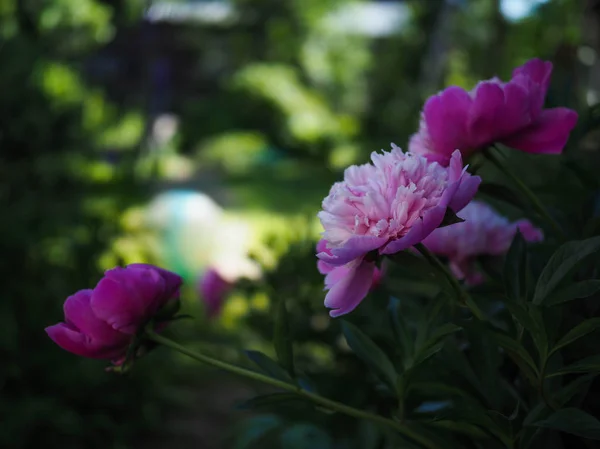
(462, 296)
(532, 197)
(315, 398)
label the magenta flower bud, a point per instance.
(384, 208)
(484, 232)
(510, 113)
(102, 322)
(213, 289)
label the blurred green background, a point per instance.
(184, 133)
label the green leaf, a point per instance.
(305, 436)
(269, 400)
(587, 365)
(282, 339)
(269, 366)
(502, 193)
(573, 421)
(581, 330)
(515, 268)
(517, 352)
(401, 332)
(542, 411)
(561, 262)
(578, 290)
(443, 331)
(478, 416)
(370, 353)
(434, 344)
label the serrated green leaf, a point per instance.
(515, 268)
(269, 366)
(587, 365)
(573, 421)
(370, 353)
(269, 400)
(281, 338)
(579, 331)
(561, 262)
(577, 290)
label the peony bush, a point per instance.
(462, 327)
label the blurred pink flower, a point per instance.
(385, 207)
(484, 232)
(101, 323)
(511, 113)
(213, 288)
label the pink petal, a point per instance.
(335, 275)
(79, 315)
(538, 71)
(529, 231)
(324, 267)
(213, 289)
(172, 280)
(126, 297)
(354, 247)
(349, 291)
(548, 135)
(74, 341)
(421, 229)
(465, 193)
(485, 113)
(446, 115)
(519, 108)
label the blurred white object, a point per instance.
(196, 234)
(369, 19)
(164, 128)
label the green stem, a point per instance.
(315, 398)
(532, 197)
(462, 296)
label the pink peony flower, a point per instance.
(511, 113)
(101, 323)
(213, 288)
(483, 232)
(384, 208)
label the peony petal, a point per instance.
(430, 221)
(74, 341)
(213, 289)
(127, 297)
(335, 275)
(548, 135)
(79, 314)
(538, 71)
(484, 115)
(172, 280)
(466, 191)
(324, 267)
(354, 247)
(446, 116)
(529, 231)
(349, 291)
